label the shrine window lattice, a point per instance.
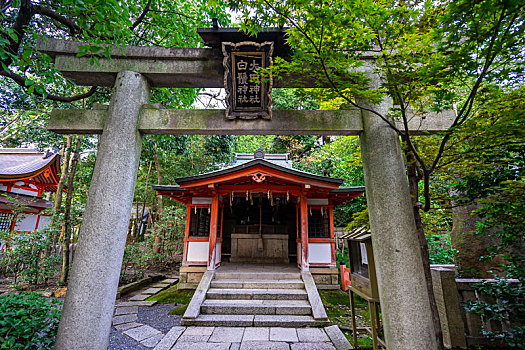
(200, 222)
(5, 221)
(318, 223)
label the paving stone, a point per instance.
(312, 335)
(283, 334)
(235, 346)
(283, 320)
(126, 310)
(256, 334)
(170, 338)
(139, 297)
(124, 319)
(338, 338)
(161, 285)
(151, 341)
(312, 346)
(226, 334)
(264, 345)
(201, 346)
(142, 332)
(136, 303)
(151, 291)
(126, 326)
(193, 338)
(169, 280)
(199, 330)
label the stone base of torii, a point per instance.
(87, 313)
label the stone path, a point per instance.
(125, 321)
(126, 315)
(253, 338)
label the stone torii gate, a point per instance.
(87, 313)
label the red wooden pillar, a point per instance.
(304, 232)
(213, 230)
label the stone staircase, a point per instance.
(244, 298)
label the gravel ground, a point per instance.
(155, 316)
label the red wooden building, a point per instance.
(259, 210)
(24, 175)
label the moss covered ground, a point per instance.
(337, 305)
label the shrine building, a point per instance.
(259, 210)
(24, 175)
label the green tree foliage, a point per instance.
(430, 55)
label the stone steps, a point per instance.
(257, 275)
(255, 298)
(289, 321)
(256, 307)
(257, 294)
(258, 284)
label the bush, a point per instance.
(26, 259)
(28, 321)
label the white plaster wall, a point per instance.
(217, 252)
(319, 253)
(26, 222)
(198, 251)
(22, 191)
(44, 222)
(3, 187)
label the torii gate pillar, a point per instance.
(403, 293)
(86, 316)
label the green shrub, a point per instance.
(28, 321)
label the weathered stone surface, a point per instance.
(226, 334)
(202, 121)
(257, 294)
(136, 303)
(235, 346)
(170, 338)
(256, 334)
(220, 320)
(151, 291)
(126, 326)
(139, 297)
(405, 302)
(199, 330)
(447, 300)
(126, 310)
(124, 319)
(200, 346)
(283, 321)
(193, 338)
(264, 345)
(151, 341)
(338, 338)
(161, 285)
(194, 307)
(283, 334)
(88, 308)
(142, 332)
(169, 280)
(312, 346)
(318, 310)
(312, 335)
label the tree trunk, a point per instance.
(158, 242)
(145, 199)
(470, 248)
(67, 212)
(63, 176)
(413, 181)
